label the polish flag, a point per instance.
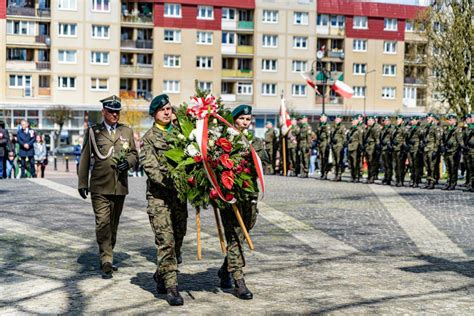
(342, 89)
(307, 77)
(285, 120)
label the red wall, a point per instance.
(188, 18)
(375, 30)
(242, 4)
(3, 9)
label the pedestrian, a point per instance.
(467, 136)
(110, 144)
(323, 134)
(452, 145)
(386, 147)
(314, 154)
(26, 140)
(4, 149)
(40, 155)
(338, 138)
(355, 139)
(77, 152)
(371, 146)
(167, 214)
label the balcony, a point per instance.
(335, 75)
(44, 39)
(21, 11)
(228, 97)
(244, 49)
(235, 73)
(138, 19)
(129, 94)
(139, 44)
(329, 100)
(415, 58)
(44, 91)
(336, 54)
(24, 65)
(140, 70)
(245, 25)
(43, 13)
(43, 65)
(413, 80)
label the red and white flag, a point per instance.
(285, 120)
(343, 89)
(307, 77)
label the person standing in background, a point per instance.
(40, 155)
(26, 140)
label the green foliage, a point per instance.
(175, 154)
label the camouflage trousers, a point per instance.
(235, 260)
(415, 161)
(338, 154)
(324, 159)
(354, 164)
(271, 157)
(399, 158)
(291, 159)
(387, 158)
(107, 210)
(304, 160)
(452, 160)
(168, 219)
(429, 159)
(372, 163)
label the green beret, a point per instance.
(338, 116)
(431, 115)
(400, 116)
(112, 103)
(242, 109)
(158, 102)
(303, 116)
(355, 116)
(415, 117)
(323, 114)
(386, 117)
(374, 117)
(451, 116)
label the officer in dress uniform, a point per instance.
(109, 150)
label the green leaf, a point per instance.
(186, 126)
(175, 154)
(188, 161)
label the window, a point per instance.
(409, 26)
(270, 41)
(269, 65)
(99, 84)
(228, 14)
(67, 56)
(204, 37)
(19, 54)
(101, 5)
(390, 47)
(66, 83)
(388, 92)
(228, 38)
(172, 10)
(389, 70)
(300, 42)
(298, 90)
(359, 45)
(269, 89)
(19, 81)
(20, 27)
(359, 69)
(270, 16)
(100, 31)
(359, 92)
(172, 36)
(172, 61)
(205, 12)
(100, 58)
(390, 24)
(322, 20)
(300, 18)
(337, 20)
(203, 62)
(299, 66)
(244, 88)
(44, 81)
(66, 29)
(360, 22)
(171, 86)
(67, 5)
(205, 86)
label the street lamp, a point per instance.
(326, 76)
(365, 88)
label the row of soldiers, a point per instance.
(413, 145)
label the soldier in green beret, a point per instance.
(399, 150)
(292, 143)
(110, 150)
(338, 138)
(371, 146)
(304, 142)
(467, 135)
(387, 149)
(271, 145)
(469, 149)
(323, 134)
(167, 214)
(431, 141)
(354, 140)
(452, 145)
(415, 151)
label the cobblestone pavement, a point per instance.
(321, 248)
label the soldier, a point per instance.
(167, 214)
(271, 146)
(387, 149)
(452, 144)
(414, 151)
(355, 137)
(469, 149)
(235, 261)
(467, 133)
(110, 150)
(399, 150)
(432, 141)
(371, 146)
(323, 134)
(304, 145)
(292, 143)
(338, 138)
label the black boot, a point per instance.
(160, 283)
(431, 185)
(452, 187)
(225, 277)
(241, 290)
(173, 297)
(446, 187)
(106, 270)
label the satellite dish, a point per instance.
(320, 54)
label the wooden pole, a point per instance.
(242, 226)
(283, 150)
(198, 231)
(219, 231)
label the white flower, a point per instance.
(193, 134)
(125, 146)
(211, 143)
(231, 131)
(230, 138)
(214, 121)
(246, 132)
(181, 136)
(191, 150)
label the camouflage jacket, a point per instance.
(386, 137)
(414, 138)
(355, 137)
(338, 135)
(372, 137)
(432, 139)
(453, 139)
(291, 140)
(270, 139)
(398, 137)
(323, 134)
(304, 135)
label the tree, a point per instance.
(59, 115)
(447, 25)
(132, 116)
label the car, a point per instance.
(67, 150)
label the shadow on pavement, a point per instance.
(465, 268)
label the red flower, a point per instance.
(227, 179)
(225, 161)
(213, 163)
(229, 196)
(213, 194)
(243, 162)
(247, 170)
(239, 169)
(225, 144)
(191, 181)
(197, 158)
(245, 184)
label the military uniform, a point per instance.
(304, 142)
(469, 151)
(414, 151)
(270, 148)
(108, 184)
(291, 144)
(432, 141)
(399, 153)
(386, 147)
(371, 145)
(338, 138)
(355, 138)
(467, 136)
(452, 144)
(323, 134)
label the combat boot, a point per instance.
(446, 187)
(160, 283)
(106, 270)
(452, 187)
(430, 185)
(225, 277)
(241, 290)
(173, 297)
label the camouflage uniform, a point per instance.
(291, 143)
(304, 141)
(338, 137)
(415, 156)
(469, 153)
(371, 144)
(270, 148)
(323, 135)
(355, 137)
(452, 144)
(167, 215)
(468, 136)
(432, 141)
(387, 152)
(399, 153)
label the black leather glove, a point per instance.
(83, 192)
(123, 166)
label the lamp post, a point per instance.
(365, 88)
(326, 76)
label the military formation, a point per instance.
(403, 149)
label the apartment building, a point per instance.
(76, 52)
